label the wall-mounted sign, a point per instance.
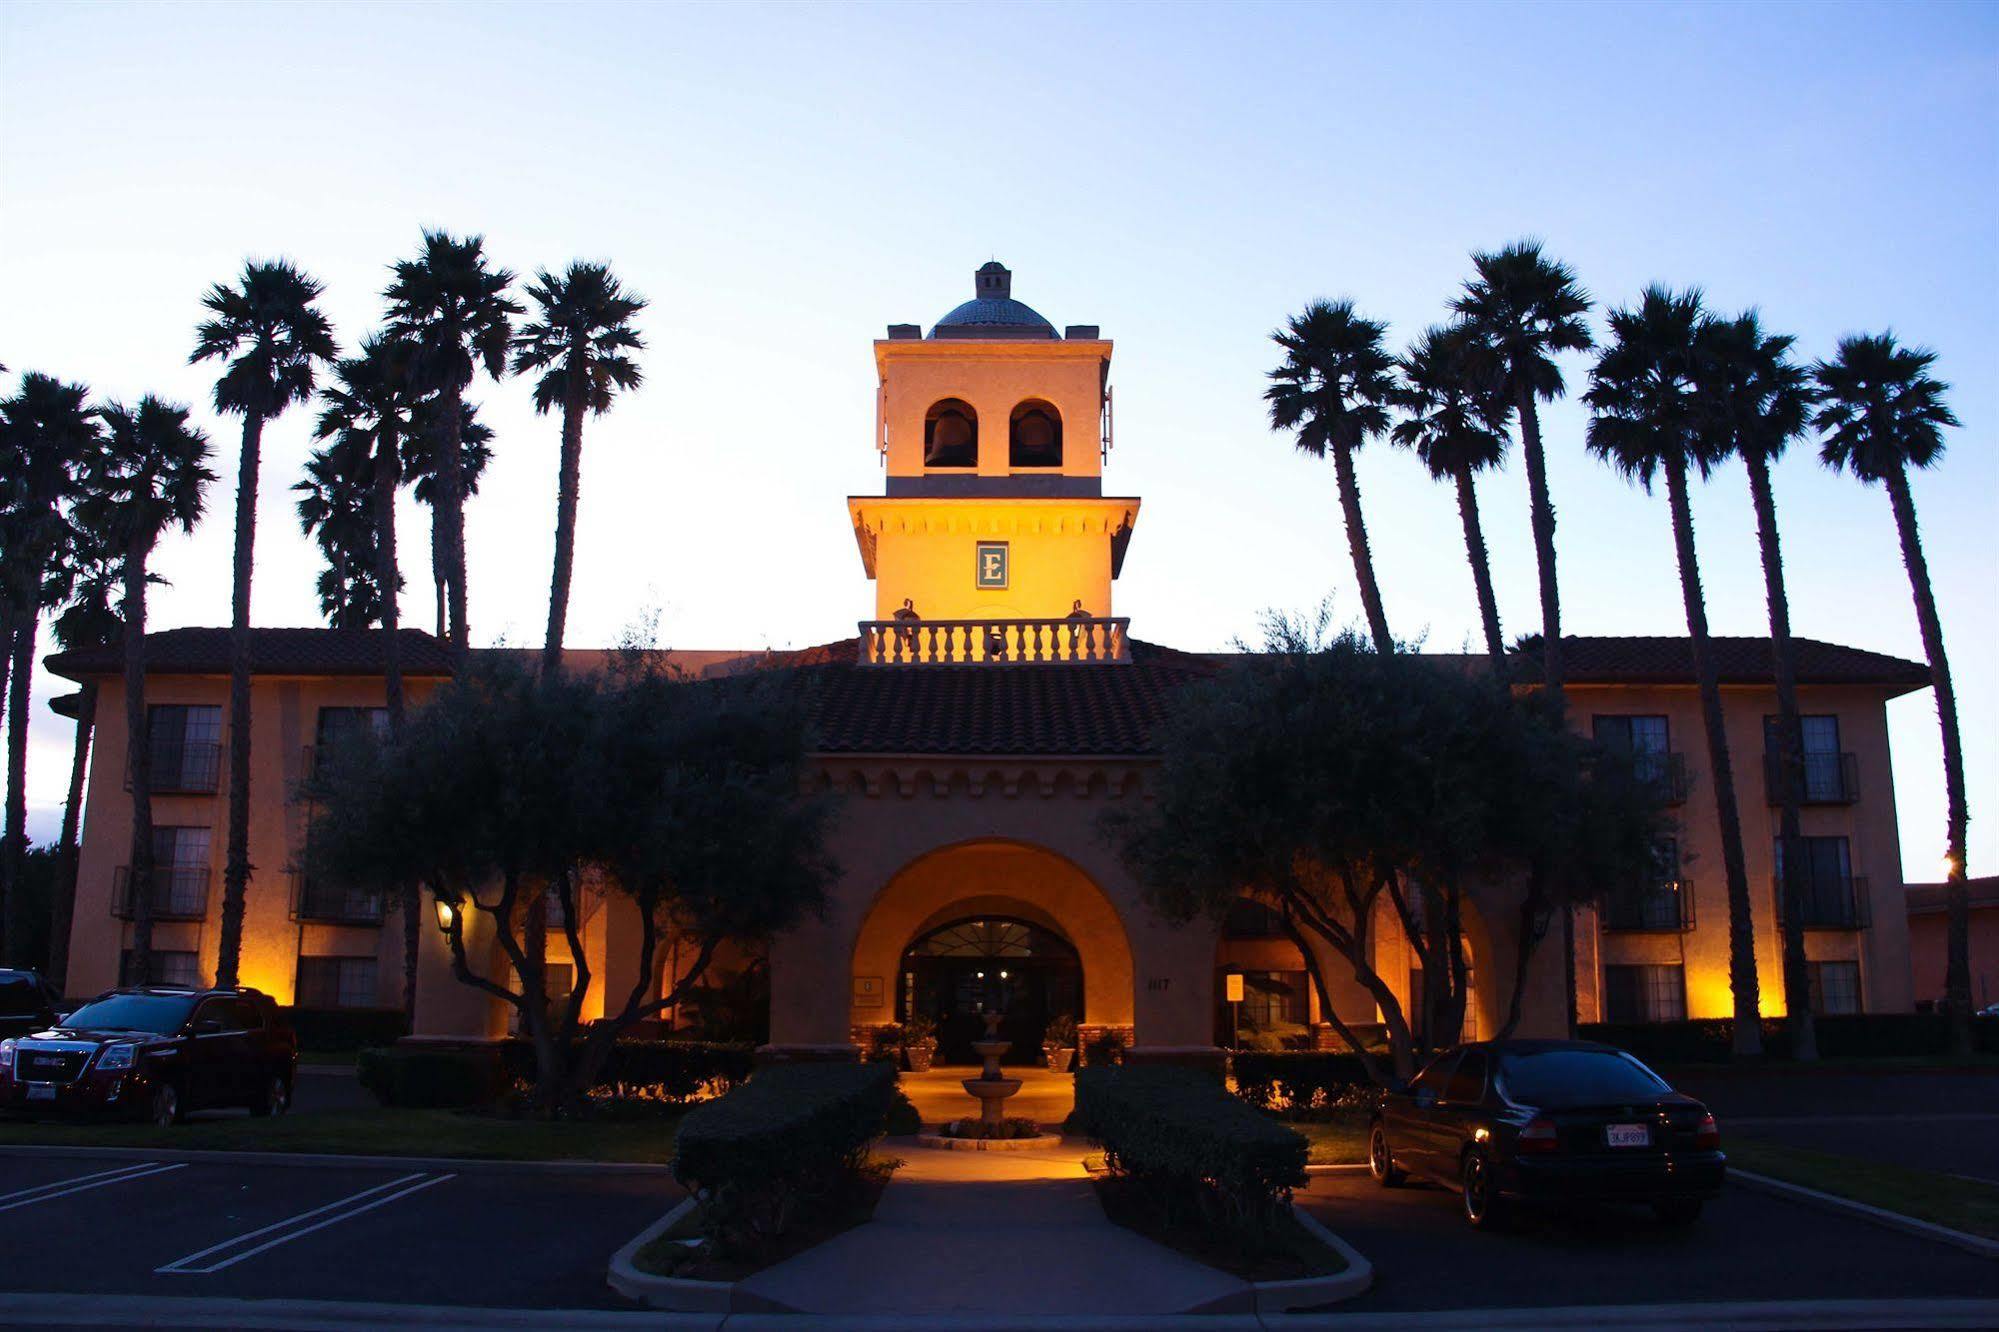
(992, 565)
(868, 992)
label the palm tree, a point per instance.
(45, 431)
(90, 619)
(1524, 307)
(422, 448)
(1457, 426)
(1881, 412)
(1645, 419)
(148, 476)
(1333, 389)
(337, 507)
(272, 339)
(455, 312)
(579, 340)
(1756, 400)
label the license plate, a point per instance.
(41, 1093)
(1628, 1135)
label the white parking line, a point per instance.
(62, 1188)
(354, 1204)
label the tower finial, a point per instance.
(992, 282)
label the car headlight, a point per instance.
(115, 1058)
(7, 1055)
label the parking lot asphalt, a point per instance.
(1745, 1246)
(461, 1234)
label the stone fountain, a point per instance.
(992, 1087)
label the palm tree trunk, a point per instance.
(1957, 964)
(1741, 928)
(139, 762)
(236, 869)
(451, 506)
(1481, 572)
(64, 911)
(438, 578)
(14, 848)
(1789, 765)
(1363, 561)
(388, 477)
(565, 518)
(1544, 554)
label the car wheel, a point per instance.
(1380, 1161)
(276, 1100)
(163, 1111)
(1484, 1208)
(1678, 1211)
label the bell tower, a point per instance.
(993, 431)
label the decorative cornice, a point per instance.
(946, 776)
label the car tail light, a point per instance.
(7, 1056)
(1707, 1134)
(1540, 1136)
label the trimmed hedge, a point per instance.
(786, 1141)
(1841, 1035)
(676, 1069)
(444, 1078)
(338, 1030)
(1190, 1145)
(1295, 1083)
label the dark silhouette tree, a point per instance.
(1881, 412)
(89, 619)
(1332, 389)
(336, 507)
(1756, 400)
(1457, 425)
(149, 475)
(422, 448)
(1646, 420)
(272, 340)
(580, 340)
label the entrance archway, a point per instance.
(957, 971)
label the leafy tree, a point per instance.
(1457, 425)
(272, 339)
(508, 787)
(1757, 400)
(45, 432)
(1523, 308)
(421, 451)
(580, 340)
(89, 619)
(149, 475)
(455, 313)
(1647, 420)
(1880, 413)
(1332, 389)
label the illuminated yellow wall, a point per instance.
(926, 550)
(994, 377)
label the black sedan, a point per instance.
(1508, 1122)
(26, 1003)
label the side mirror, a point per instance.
(205, 1027)
(1425, 1099)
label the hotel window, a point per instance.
(184, 744)
(1644, 993)
(1248, 918)
(1828, 897)
(169, 968)
(340, 726)
(1417, 1000)
(1824, 766)
(951, 435)
(180, 875)
(1648, 740)
(336, 982)
(1835, 987)
(1272, 999)
(1656, 903)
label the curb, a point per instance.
(673, 1294)
(1280, 1297)
(1043, 1142)
(337, 1159)
(1880, 1216)
(1340, 1168)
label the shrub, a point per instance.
(1106, 1048)
(903, 1119)
(1192, 1147)
(338, 1030)
(1298, 1083)
(789, 1139)
(885, 1043)
(1013, 1126)
(444, 1077)
(1841, 1035)
(675, 1070)
(1060, 1031)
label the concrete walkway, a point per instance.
(992, 1233)
(940, 1095)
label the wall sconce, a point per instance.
(447, 915)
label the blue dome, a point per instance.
(992, 312)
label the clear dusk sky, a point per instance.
(782, 181)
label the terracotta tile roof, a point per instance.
(1670, 660)
(1928, 899)
(272, 652)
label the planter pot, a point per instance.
(1060, 1057)
(920, 1056)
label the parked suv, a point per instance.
(157, 1052)
(1505, 1122)
(26, 1003)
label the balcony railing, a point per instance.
(1828, 779)
(1666, 771)
(962, 642)
(1827, 903)
(183, 767)
(1667, 907)
(327, 904)
(180, 892)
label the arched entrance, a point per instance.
(957, 971)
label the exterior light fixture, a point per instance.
(447, 915)
(1948, 865)
(1002, 975)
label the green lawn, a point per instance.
(1947, 1200)
(383, 1132)
(1338, 1141)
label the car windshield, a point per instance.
(1577, 1077)
(162, 1014)
(19, 996)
